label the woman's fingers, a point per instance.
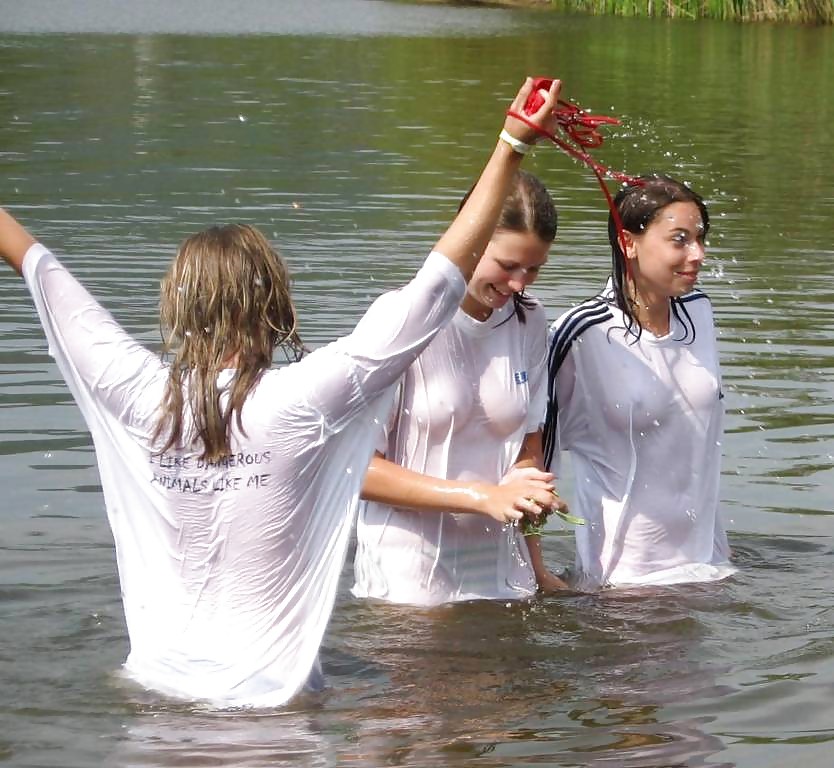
(523, 94)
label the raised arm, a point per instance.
(400, 324)
(14, 241)
(468, 235)
(392, 484)
(94, 354)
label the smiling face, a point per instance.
(667, 256)
(510, 263)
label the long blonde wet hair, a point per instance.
(224, 303)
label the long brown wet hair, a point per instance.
(224, 303)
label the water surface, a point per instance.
(347, 132)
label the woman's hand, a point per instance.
(543, 117)
(521, 491)
(555, 504)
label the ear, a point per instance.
(629, 244)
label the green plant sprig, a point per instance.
(531, 528)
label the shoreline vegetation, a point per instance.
(818, 12)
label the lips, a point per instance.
(499, 297)
(688, 276)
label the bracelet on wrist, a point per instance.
(517, 145)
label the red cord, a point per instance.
(581, 128)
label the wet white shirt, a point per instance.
(642, 421)
(464, 408)
(229, 570)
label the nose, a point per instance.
(515, 285)
(519, 279)
(696, 252)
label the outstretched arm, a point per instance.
(97, 358)
(468, 235)
(14, 241)
(389, 483)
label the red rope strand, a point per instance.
(581, 128)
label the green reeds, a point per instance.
(802, 11)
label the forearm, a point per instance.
(14, 241)
(546, 581)
(469, 234)
(389, 483)
(530, 454)
(392, 484)
(534, 547)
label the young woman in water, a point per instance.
(468, 413)
(230, 486)
(635, 397)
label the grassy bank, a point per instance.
(799, 11)
(793, 11)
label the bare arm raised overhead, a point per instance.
(399, 325)
(468, 235)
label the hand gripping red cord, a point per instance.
(581, 128)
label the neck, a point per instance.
(475, 309)
(652, 312)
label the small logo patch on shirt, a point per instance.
(520, 377)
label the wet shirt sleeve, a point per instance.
(564, 417)
(98, 359)
(345, 376)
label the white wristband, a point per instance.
(517, 145)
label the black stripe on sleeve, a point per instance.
(576, 322)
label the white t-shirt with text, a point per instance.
(229, 569)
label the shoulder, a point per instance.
(693, 296)
(580, 318)
(574, 323)
(696, 304)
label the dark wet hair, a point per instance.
(528, 208)
(638, 206)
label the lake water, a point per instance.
(347, 131)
